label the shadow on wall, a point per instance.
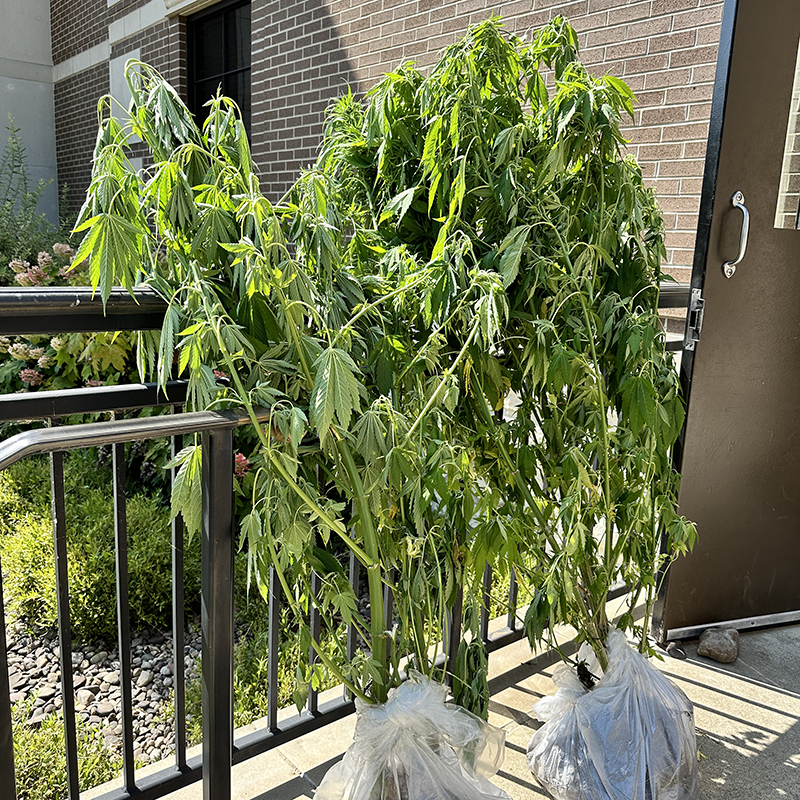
(299, 65)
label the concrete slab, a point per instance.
(747, 716)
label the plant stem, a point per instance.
(374, 580)
(445, 377)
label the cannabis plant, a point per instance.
(307, 316)
(466, 239)
(504, 169)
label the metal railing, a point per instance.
(73, 310)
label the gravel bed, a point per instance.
(34, 674)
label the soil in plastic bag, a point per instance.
(631, 737)
(417, 747)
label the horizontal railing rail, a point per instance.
(90, 400)
(674, 295)
(76, 309)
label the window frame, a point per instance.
(218, 9)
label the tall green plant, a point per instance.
(465, 237)
(481, 170)
(24, 231)
(302, 320)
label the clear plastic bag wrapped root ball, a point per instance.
(631, 737)
(417, 747)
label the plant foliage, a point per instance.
(465, 238)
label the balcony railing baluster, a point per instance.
(273, 645)
(64, 626)
(315, 623)
(123, 616)
(513, 591)
(217, 612)
(178, 623)
(486, 601)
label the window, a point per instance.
(219, 55)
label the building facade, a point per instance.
(26, 90)
(285, 60)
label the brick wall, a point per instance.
(299, 64)
(76, 26)
(76, 128)
(787, 212)
(307, 52)
(161, 46)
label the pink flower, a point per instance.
(31, 376)
(38, 276)
(94, 382)
(45, 260)
(63, 250)
(220, 374)
(240, 465)
(33, 276)
(18, 266)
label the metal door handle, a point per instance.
(729, 267)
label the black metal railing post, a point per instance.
(8, 778)
(273, 648)
(217, 613)
(513, 594)
(178, 623)
(59, 514)
(315, 624)
(123, 616)
(486, 601)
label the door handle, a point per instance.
(729, 267)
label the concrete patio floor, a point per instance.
(747, 716)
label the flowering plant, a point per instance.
(28, 363)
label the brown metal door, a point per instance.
(740, 454)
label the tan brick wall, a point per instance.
(307, 52)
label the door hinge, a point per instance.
(694, 319)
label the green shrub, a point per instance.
(29, 572)
(23, 230)
(40, 760)
(26, 549)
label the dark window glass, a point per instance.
(219, 56)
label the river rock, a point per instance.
(104, 709)
(47, 692)
(145, 678)
(719, 644)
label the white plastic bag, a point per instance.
(417, 747)
(632, 737)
